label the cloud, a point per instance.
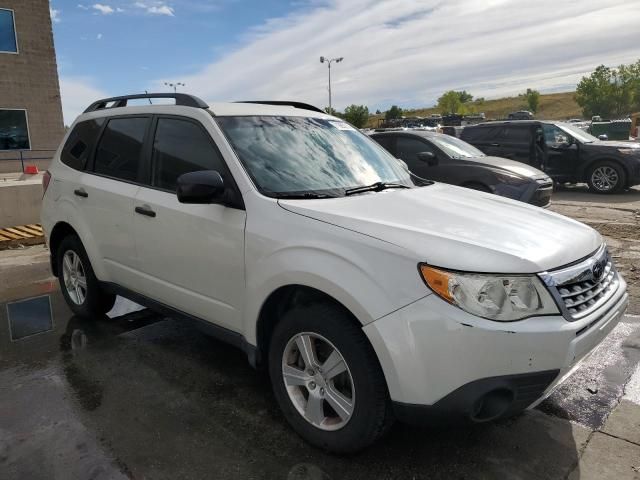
(156, 8)
(408, 52)
(99, 36)
(55, 15)
(103, 9)
(83, 7)
(77, 94)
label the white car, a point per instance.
(367, 295)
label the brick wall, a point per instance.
(29, 80)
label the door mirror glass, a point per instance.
(205, 186)
(428, 157)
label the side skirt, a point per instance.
(223, 334)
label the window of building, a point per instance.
(181, 146)
(14, 130)
(8, 39)
(118, 153)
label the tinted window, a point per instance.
(554, 135)
(181, 146)
(472, 134)
(118, 154)
(80, 143)
(409, 148)
(14, 134)
(386, 141)
(8, 41)
(517, 134)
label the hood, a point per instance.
(512, 166)
(615, 144)
(459, 228)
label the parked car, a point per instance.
(289, 233)
(521, 115)
(447, 159)
(565, 152)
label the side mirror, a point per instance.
(205, 186)
(603, 137)
(428, 157)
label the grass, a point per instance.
(553, 106)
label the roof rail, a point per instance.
(182, 99)
(304, 106)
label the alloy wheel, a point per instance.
(318, 381)
(74, 277)
(604, 178)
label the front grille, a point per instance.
(582, 288)
(581, 298)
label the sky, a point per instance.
(396, 52)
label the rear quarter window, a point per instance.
(80, 143)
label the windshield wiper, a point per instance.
(374, 187)
(302, 195)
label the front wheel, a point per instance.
(80, 287)
(606, 177)
(327, 379)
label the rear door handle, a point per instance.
(145, 210)
(494, 144)
(81, 192)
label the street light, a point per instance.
(329, 61)
(174, 85)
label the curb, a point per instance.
(11, 237)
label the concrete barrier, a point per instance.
(20, 201)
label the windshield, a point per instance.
(295, 155)
(577, 133)
(454, 147)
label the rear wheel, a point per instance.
(606, 177)
(80, 287)
(327, 379)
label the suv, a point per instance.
(443, 158)
(295, 237)
(565, 152)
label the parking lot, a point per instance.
(137, 395)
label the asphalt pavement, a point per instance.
(137, 395)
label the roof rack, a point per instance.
(182, 99)
(304, 106)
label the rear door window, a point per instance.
(181, 146)
(80, 143)
(517, 134)
(120, 148)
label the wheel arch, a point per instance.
(58, 233)
(282, 300)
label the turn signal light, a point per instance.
(438, 281)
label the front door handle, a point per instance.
(494, 144)
(80, 192)
(145, 210)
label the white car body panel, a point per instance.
(221, 264)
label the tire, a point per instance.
(83, 293)
(371, 415)
(606, 177)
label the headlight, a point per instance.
(497, 297)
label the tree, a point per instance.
(449, 103)
(331, 111)
(393, 113)
(610, 92)
(533, 99)
(378, 112)
(357, 115)
(465, 97)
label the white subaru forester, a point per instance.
(367, 293)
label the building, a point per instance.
(31, 123)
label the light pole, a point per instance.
(174, 85)
(329, 61)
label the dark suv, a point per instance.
(563, 151)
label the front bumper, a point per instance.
(429, 350)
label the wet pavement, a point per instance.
(137, 395)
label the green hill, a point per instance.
(553, 106)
